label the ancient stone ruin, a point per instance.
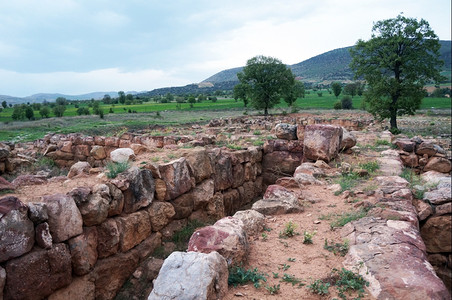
(85, 243)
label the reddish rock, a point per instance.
(223, 172)
(112, 141)
(215, 208)
(348, 140)
(410, 160)
(427, 148)
(203, 193)
(2, 281)
(83, 150)
(6, 185)
(226, 236)
(79, 168)
(231, 200)
(438, 196)
(279, 164)
(172, 227)
(436, 234)
(283, 145)
(282, 203)
(16, 230)
(322, 142)
(207, 278)
(406, 145)
(133, 229)
(98, 152)
(443, 209)
(249, 172)
(160, 214)
(138, 188)
(423, 209)
(439, 164)
(108, 238)
(84, 251)
(199, 164)
(247, 192)
(138, 149)
(66, 146)
(238, 175)
(99, 140)
(95, 209)
(253, 221)
(152, 141)
(390, 184)
(56, 155)
(81, 288)
(43, 237)
(65, 220)
(116, 200)
(160, 189)
(183, 206)
(177, 178)
(37, 212)
(24, 180)
(278, 192)
(49, 270)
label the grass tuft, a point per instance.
(114, 169)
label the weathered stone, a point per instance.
(223, 172)
(443, 209)
(80, 195)
(423, 209)
(283, 145)
(278, 200)
(238, 175)
(98, 152)
(43, 237)
(111, 273)
(428, 148)
(95, 210)
(79, 168)
(406, 145)
(348, 140)
(438, 196)
(310, 169)
(434, 177)
(176, 176)
(160, 214)
(322, 142)
(172, 227)
(4, 153)
(84, 251)
(231, 201)
(410, 160)
(116, 200)
(2, 281)
(133, 229)
(107, 238)
(65, 220)
(279, 164)
(390, 184)
(81, 288)
(215, 208)
(138, 188)
(122, 155)
(111, 141)
(203, 193)
(439, 164)
(191, 275)
(436, 234)
(250, 171)
(253, 221)
(183, 206)
(199, 164)
(38, 274)
(25, 180)
(37, 212)
(286, 131)
(16, 230)
(82, 150)
(6, 185)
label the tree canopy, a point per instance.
(337, 88)
(399, 59)
(265, 80)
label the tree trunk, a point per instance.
(393, 120)
(266, 111)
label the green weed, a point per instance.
(336, 248)
(348, 282)
(273, 290)
(319, 287)
(370, 166)
(289, 230)
(181, 237)
(291, 279)
(347, 217)
(307, 237)
(114, 169)
(238, 275)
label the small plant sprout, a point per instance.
(319, 287)
(114, 169)
(291, 279)
(307, 237)
(336, 248)
(238, 275)
(289, 230)
(291, 259)
(273, 290)
(285, 267)
(275, 275)
(264, 236)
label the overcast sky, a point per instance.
(81, 46)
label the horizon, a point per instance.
(76, 47)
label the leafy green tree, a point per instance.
(122, 97)
(29, 114)
(240, 92)
(18, 112)
(44, 111)
(59, 110)
(399, 59)
(169, 97)
(106, 99)
(337, 88)
(350, 89)
(191, 100)
(296, 92)
(61, 101)
(266, 80)
(4, 104)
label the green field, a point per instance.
(170, 114)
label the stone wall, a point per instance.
(86, 243)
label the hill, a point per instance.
(329, 66)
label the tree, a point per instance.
(122, 97)
(297, 91)
(266, 80)
(106, 99)
(29, 114)
(337, 88)
(44, 112)
(4, 104)
(58, 110)
(399, 59)
(191, 100)
(350, 89)
(241, 93)
(18, 112)
(61, 101)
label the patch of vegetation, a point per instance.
(114, 169)
(337, 248)
(264, 236)
(291, 279)
(289, 230)
(319, 287)
(370, 166)
(273, 290)
(307, 237)
(349, 281)
(347, 182)
(240, 276)
(347, 217)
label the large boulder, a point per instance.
(286, 131)
(199, 164)
(133, 229)
(65, 220)
(122, 155)
(6, 185)
(439, 164)
(436, 233)
(107, 238)
(322, 142)
(279, 164)
(390, 163)
(84, 251)
(79, 168)
(192, 276)
(81, 288)
(278, 200)
(348, 140)
(138, 187)
(176, 176)
(24, 180)
(227, 236)
(253, 221)
(16, 230)
(38, 274)
(160, 214)
(95, 207)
